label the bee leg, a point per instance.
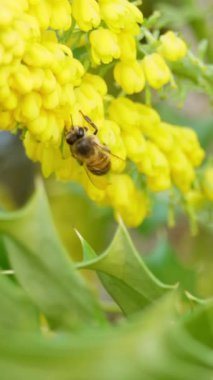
(90, 122)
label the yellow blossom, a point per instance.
(195, 199)
(172, 47)
(128, 202)
(154, 163)
(43, 87)
(123, 112)
(130, 76)
(88, 100)
(127, 45)
(60, 15)
(86, 13)
(6, 121)
(162, 136)
(188, 141)
(120, 15)
(135, 144)
(38, 55)
(207, 183)
(182, 171)
(97, 82)
(157, 73)
(135, 211)
(30, 106)
(110, 135)
(160, 182)
(104, 46)
(149, 119)
(120, 190)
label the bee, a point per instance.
(88, 150)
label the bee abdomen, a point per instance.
(102, 168)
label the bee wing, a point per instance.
(99, 182)
(106, 149)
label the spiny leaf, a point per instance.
(145, 347)
(17, 311)
(43, 267)
(124, 273)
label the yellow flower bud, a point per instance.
(127, 45)
(160, 182)
(39, 124)
(109, 134)
(6, 121)
(32, 147)
(37, 77)
(207, 183)
(195, 199)
(135, 211)
(21, 80)
(123, 112)
(11, 102)
(9, 38)
(41, 12)
(120, 190)
(89, 101)
(189, 143)
(162, 137)
(149, 119)
(49, 160)
(97, 82)
(67, 96)
(154, 163)
(156, 71)
(30, 106)
(104, 46)
(130, 76)
(71, 70)
(37, 55)
(172, 47)
(6, 15)
(182, 171)
(120, 15)
(135, 144)
(61, 15)
(51, 100)
(86, 13)
(49, 82)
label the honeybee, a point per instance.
(88, 150)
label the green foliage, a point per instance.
(166, 336)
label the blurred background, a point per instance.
(173, 254)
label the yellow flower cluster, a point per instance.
(165, 153)
(43, 87)
(37, 74)
(115, 36)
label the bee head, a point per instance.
(75, 134)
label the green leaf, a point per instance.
(124, 273)
(43, 267)
(145, 347)
(17, 311)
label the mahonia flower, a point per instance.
(120, 15)
(51, 13)
(86, 14)
(172, 47)
(127, 46)
(43, 86)
(207, 183)
(130, 76)
(104, 46)
(157, 73)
